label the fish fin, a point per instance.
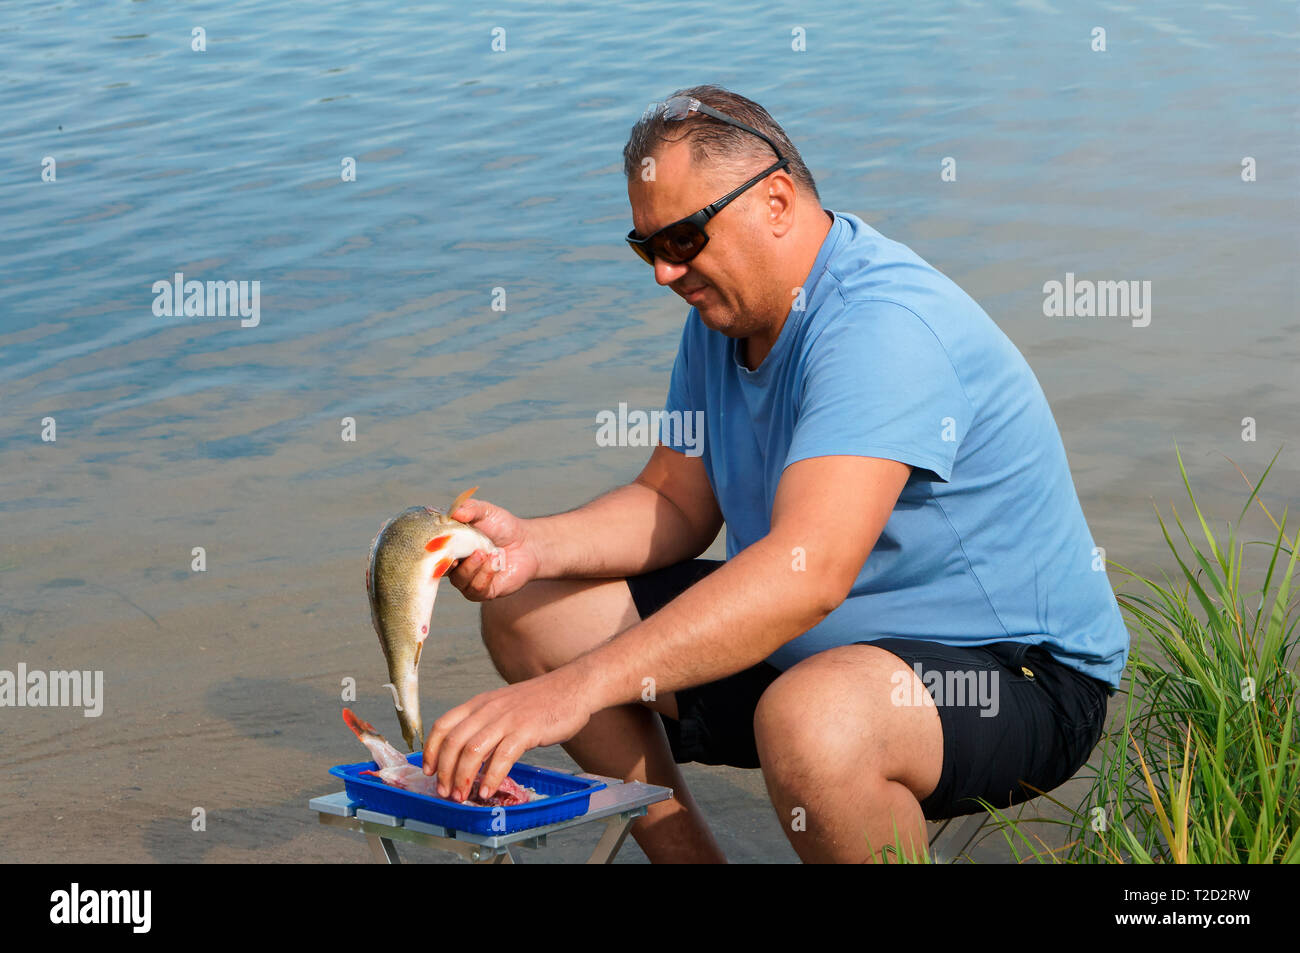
(461, 499)
(356, 724)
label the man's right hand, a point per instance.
(474, 575)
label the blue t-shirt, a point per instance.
(891, 359)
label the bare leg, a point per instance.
(846, 768)
(549, 622)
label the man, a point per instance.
(902, 530)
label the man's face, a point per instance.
(730, 268)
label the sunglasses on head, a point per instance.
(680, 241)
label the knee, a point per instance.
(505, 641)
(832, 719)
(818, 722)
(495, 624)
(776, 716)
(796, 732)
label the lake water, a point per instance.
(479, 169)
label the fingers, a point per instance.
(446, 744)
(469, 511)
(463, 753)
(471, 760)
(438, 732)
(463, 739)
(474, 575)
(508, 751)
(499, 525)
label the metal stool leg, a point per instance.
(382, 849)
(616, 829)
(954, 844)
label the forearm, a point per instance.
(630, 530)
(728, 621)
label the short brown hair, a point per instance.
(717, 145)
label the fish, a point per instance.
(408, 558)
(395, 770)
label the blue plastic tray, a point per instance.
(566, 796)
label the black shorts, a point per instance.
(1049, 716)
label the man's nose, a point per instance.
(666, 272)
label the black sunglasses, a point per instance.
(685, 238)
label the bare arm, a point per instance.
(667, 514)
(833, 508)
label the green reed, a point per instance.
(1204, 768)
